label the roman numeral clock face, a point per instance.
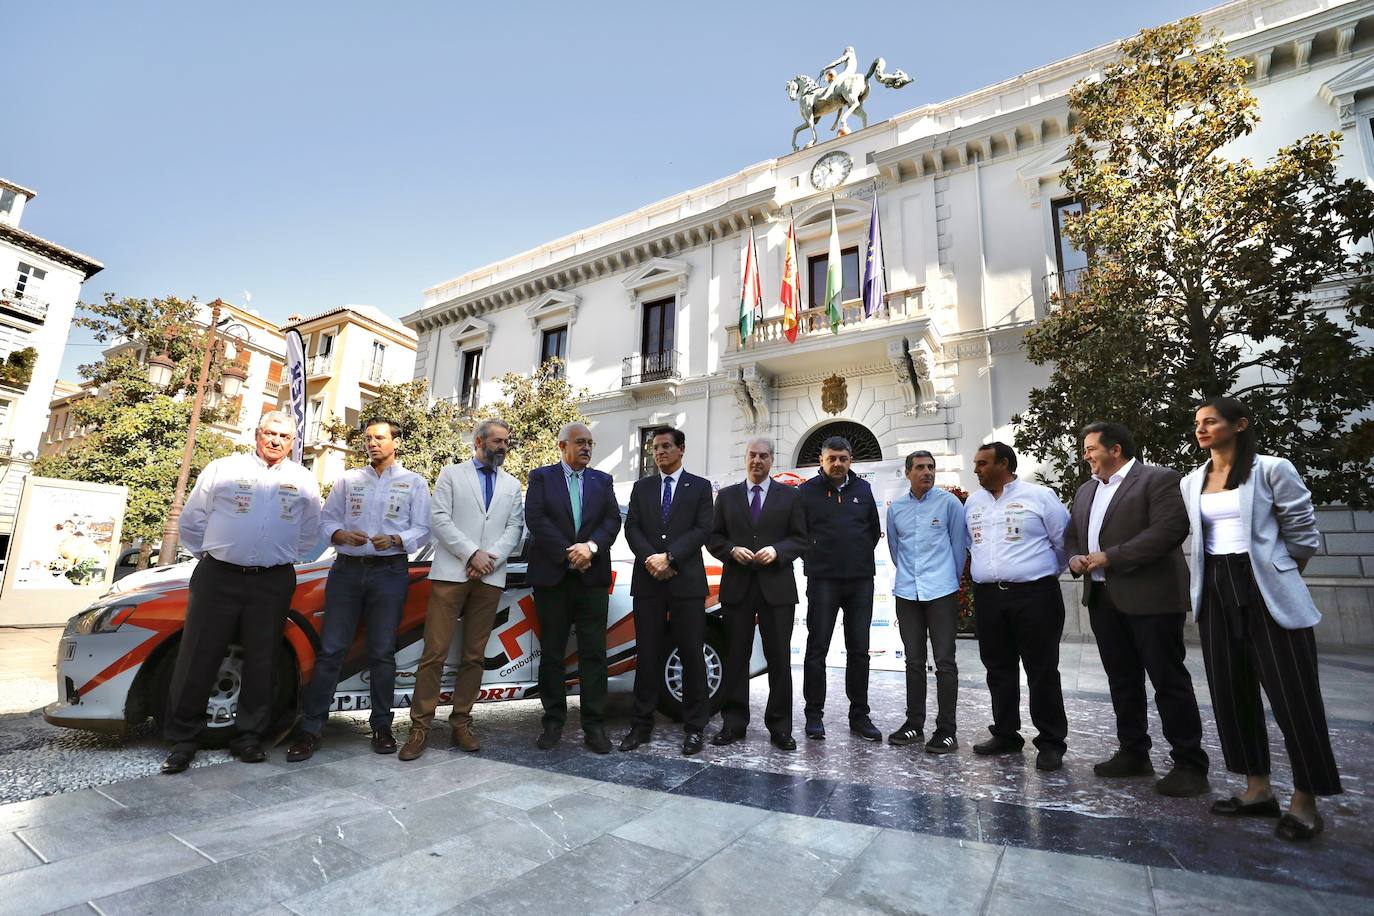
(831, 170)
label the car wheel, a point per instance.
(670, 695)
(221, 708)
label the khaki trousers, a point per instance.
(475, 602)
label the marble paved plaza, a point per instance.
(840, 826)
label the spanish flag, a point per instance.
(791, 287)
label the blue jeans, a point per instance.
(374, 594)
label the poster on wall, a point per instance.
(63, 551)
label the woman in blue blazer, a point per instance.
(1253, 531)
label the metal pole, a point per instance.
(171, 532)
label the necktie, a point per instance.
(756, 503)
(487, 476)
(575, 497)
(667, 497)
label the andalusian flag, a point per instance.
(791, 287)
(751, 290)
(834, 276)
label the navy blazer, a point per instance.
(688, 526)
(548, 515)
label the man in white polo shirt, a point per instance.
(1016, 536)
(248, 520)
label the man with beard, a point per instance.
(375, 517)
(476, 520)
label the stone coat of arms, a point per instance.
(834, 395)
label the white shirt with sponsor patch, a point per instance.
(1018, 537)
(243, 511)
(394, 502)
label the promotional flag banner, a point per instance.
(834, 276)
(751, 290)
(791, 288)
(295, 375)
(874, 286)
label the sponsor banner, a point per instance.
(295, 376)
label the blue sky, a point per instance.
(318, 154)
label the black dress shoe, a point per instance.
(1234, 807)
(865, 729)
(303, 748)
(692, 743)
(999, 744)
(177, 762)
(784, 742)
(383, 742)
(549, 737)
(1294, 830)
(1124, 763)
(634, 739)
(249, 753)
(1183, 782)
(597, 741)
(726, 737)
(1049, 759)
(815, 730)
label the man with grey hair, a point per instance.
(248, 520)
(476, 520)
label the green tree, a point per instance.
(1202, 273)
(138, 431)
(439, 433)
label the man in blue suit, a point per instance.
(573, 519)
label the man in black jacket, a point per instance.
(667, 525)
(759, 529)
(842, 520)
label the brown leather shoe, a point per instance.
(303, 748)
(415, 744)
(465, 740)
(384, 742)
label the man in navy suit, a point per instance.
(667, 525)
(573, 520)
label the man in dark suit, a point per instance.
(573, 519)
(758, 530)
(1125, 536)
(668, 522)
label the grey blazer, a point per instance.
(1280, 524)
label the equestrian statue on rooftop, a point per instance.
(843, 92)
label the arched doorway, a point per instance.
(866, 447)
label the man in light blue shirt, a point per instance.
(929, 543)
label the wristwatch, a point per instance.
(672, 561)
(591, 545)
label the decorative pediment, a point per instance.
(1342, 88)
(471, 332)
(1045, 167)
(548, 308)
(655, 272)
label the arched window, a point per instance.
(866, 447)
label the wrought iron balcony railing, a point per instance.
(1064, 285)
(17, 303)
(660, 366)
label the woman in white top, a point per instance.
(1253, 530)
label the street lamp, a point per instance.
(232, 379)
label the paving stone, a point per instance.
(690, 827)
(1030, 881)
(446, 873)
(834, 838)
(14, 855)
(435, 779)
(401, 829)
(530, 788)
(243, 884)
(953, 875)
(757, 876)
(96, 874)
(76, 836)
(242, 833)
(53, 808)
(1188, 893)
(606, 876)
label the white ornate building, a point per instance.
(644, 307)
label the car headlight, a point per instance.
(103, 618)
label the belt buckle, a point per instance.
(1002, 586)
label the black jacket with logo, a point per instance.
(844, 528)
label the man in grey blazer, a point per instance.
(476, 519)
(1125, 538)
